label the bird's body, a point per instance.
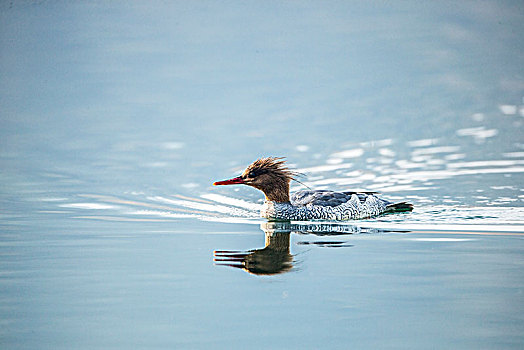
(271, 176)
(325, 205)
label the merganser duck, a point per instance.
(271, 176)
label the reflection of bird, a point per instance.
(272, 176)
(273, 259)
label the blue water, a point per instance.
(116, 118)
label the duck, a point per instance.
(272, 176)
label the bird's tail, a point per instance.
(399, 207)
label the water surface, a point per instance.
(115, 119)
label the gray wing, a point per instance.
(325, 198)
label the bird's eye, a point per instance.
(252, 174)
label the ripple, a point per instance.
(349, 153)
(231, 201)
(441, 239)
(514, 155)
(195, 204)
(508, 109)
(486, 163)
(479, 133)
(93, 206)
(436, 150)
(325, 168)
(422, 142)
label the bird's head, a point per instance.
(270, 175)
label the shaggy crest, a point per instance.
(275, 165)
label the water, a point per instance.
(116, 119)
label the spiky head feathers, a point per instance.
(270, 175)
(274, 166)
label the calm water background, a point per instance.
(115, 118)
